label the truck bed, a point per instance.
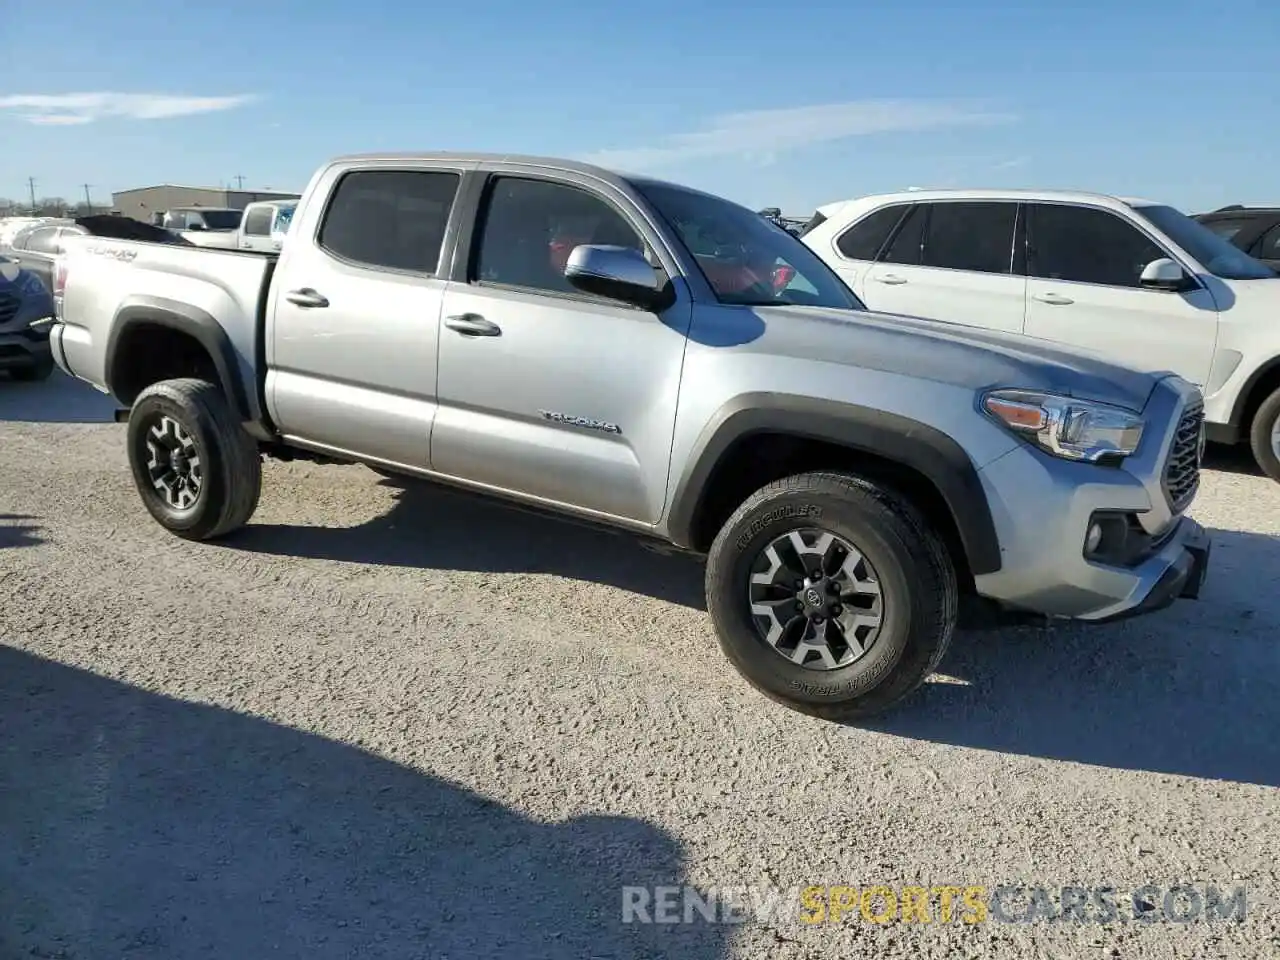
(106, 276)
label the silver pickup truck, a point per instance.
(657, 359)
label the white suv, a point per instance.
(1134, 281)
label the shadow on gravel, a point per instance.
(431, 526)
(60, 399)
(1232, 459)
(14, 532)
(1192, 690)
(132, 824)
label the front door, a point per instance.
(545, 391)
(1084, 264)
(953, 261)
(353, 341)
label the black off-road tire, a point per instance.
(1261, 432)
(917, 581)
(230, 459)
(42, 369)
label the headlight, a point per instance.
(1066, 427)
(30, 283)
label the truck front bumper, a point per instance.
(1044, 508)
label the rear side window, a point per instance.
(905, 247)
(394, 219)
(1086, 245)
(257, 222)
(1226, 229)
(43, 240)
(1268, 247)
(975, 236)
(863, 240)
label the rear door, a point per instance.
(353, 340)
(953, 260)
(857, 248)
(1084, 264)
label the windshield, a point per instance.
(746, 259)
(221, 219)
(1217, 255)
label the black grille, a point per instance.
(8, 307)
(1182, 469)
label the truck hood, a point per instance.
(951, 353)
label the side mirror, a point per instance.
(195, 226)
(1163, 274)
(619, 273)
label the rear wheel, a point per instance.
(1264, 436)
(198, 472)
(831, 594)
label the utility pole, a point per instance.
(239, 179)
(31, 185)
(88, 203)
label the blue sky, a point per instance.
(790, 105)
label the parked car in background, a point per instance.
(1255, 230)
(621, 349)
(37, 246)
(203, 226)
(1134, 281)
(264, 225)
(24, 339)
(9, 227)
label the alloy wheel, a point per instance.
(816, 599)
(173, 463)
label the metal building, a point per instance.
(142, 202)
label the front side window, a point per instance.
(971, 235)
(393, 219)
(746, 260)
(1218, 256)
(1087, 245)
(531, 226)
(863, 240)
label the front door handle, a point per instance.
(1057, 299)
(306, 297)
(473, 325)
(892, 279)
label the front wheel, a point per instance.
(198, 472)
(831, 594)
(1264, 436)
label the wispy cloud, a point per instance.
(768, 133)
(1012, 163)
(68, 109)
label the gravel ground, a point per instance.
(399, 722)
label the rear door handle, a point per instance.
(1057, 299)
(306, 297)
(892, 279)
(473, 325)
